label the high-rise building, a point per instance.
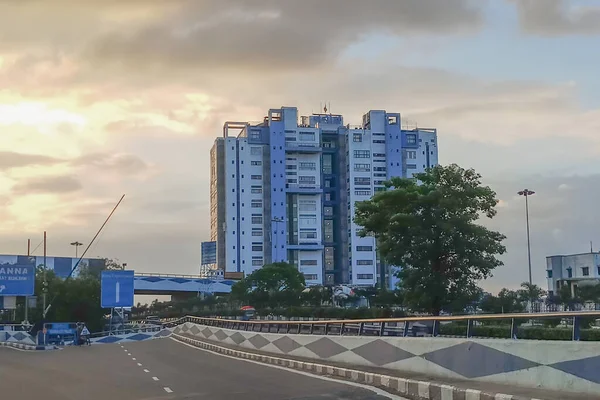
(285, 191)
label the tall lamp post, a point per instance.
(76, 244)
(527, 193)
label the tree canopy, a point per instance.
(277, 284)
(427, 226)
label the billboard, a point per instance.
(61, 266)
(17, 278)
(209, 253)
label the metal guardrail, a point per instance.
(382, 327)
(155, 328)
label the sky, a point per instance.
(100, 98)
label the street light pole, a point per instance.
(76, 244)
(527, 193)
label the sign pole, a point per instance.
(110, 323)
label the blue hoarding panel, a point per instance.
(17, 280)
(117, 289)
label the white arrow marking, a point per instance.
(117, 294)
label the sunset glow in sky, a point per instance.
(104, 97)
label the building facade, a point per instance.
(285, 190)
(572, 270)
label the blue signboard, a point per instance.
(17, 280)
(117, 289)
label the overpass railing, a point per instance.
(387, 326)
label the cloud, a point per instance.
(127, 164)
(50, 184)
(558, 17)
(271, 34)
(10, 159)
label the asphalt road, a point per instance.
(158, 369)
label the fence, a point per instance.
(408, 326)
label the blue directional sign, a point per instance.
(116, 289)
(17, 280)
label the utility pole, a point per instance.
(45, 281)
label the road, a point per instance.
(159, 369)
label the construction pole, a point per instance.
(27, 297)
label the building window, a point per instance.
(364, 248)
(585, 271)
(308, 166)
(364, 262)
(291, 166)
(256, 204)
(308, 220)
(257, 247)
(362, 154)
(411, 166)
(307, 205)
(257, 219)
(357, 137)
(257, 262)
(569, 272)
(411, 138)
(328, 211)
(307, 180)
(256, 190)
(305, 234)
(309, 262)
(549, 272)
(364, 276)
(358, 180)
(362, 167)
(256, 177)
(311, 277)
(256, 163)
(411, 155)
(256, 151)
(257, 232)
(362, 192)
(307, 136)
(255, 135)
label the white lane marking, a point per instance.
(155, 378)
(146, 371)
(139, 365)
(375, 390)
(125, 350)
(134, 359)
(168, 390)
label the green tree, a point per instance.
(428, 226)
(507, 301)
(531, 293)
(278, 284)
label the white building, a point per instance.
(285, 191)
(573, 270)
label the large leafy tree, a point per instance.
(427, 225)
(276, 285)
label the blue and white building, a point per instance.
(285, 190)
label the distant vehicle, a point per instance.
(249, 313)
(152, 320)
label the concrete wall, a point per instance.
(17, 337)
(554, 365)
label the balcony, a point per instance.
(306, 246)
(303, 188)
(303, 147)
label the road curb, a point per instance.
(413, 389)
(29, 347)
